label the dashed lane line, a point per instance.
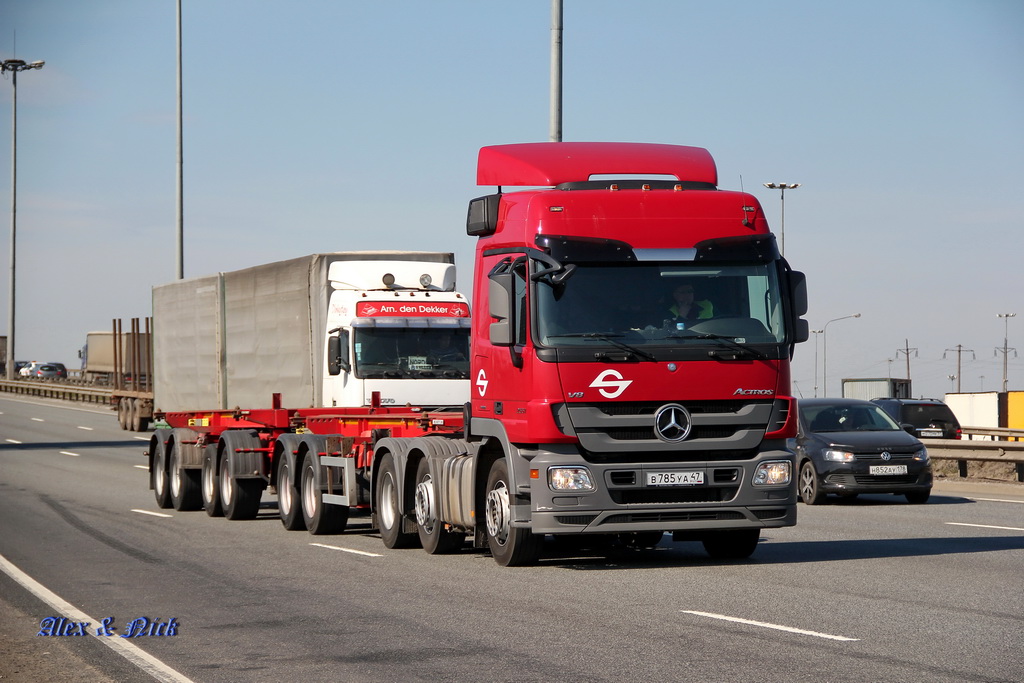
(986, 526)
(148, 512)
(762, 624)
(346, 550)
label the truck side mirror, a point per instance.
(337, 354)
(798, 292)
(499, 295)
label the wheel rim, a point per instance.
(284, 489)
(226, 490)
(175, 478)
(389, 501)
(807, 484)
(209, 483)
(498, 512)
(426, 515)
(161, 481)
(309, 493)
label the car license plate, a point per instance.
(675, 478)
(931, 432)
(887, 469)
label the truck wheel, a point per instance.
(239, 498)
(122, 413)
(129, 413)
(510, 546)
(161, 485)
(434, 537)
(809, 491)
(389, 515)
(288, 505)
(211, 485)
(732, 545)
(319, 518)
(140, 423)
(186, 493)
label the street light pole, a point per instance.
(816, 334)
(782, 187)
(14, 66)
(824, 352)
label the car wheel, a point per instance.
(918, 497)
(809, 490)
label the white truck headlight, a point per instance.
(570, 479)
(773, 473)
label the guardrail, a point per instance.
(996, 447)
(64, 391)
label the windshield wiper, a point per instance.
(611, 339)
(737, 347)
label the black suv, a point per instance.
(931, 418)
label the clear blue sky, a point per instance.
(340, 124)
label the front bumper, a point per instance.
(622, 502)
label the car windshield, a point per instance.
(411, 353)
(847, 418)
(661, 303)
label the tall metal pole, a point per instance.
(180, 233)
(782, 187)
(1006, 343)
(824, 350)
(14, 222)
(14, 66)
(556, 71)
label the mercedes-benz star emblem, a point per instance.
(672, 423)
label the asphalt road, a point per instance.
(870, 590)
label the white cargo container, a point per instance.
(975, 409)
(869, 388)
(336, 329)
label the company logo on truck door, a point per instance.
(608, 381)
(481, 382)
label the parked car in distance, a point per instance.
(29, 369)
(62, 371)
(848, 446)
(47, 371)
(932, 419)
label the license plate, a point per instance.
(675, 478)
(931, 432)
(888, 469)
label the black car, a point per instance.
(932, 419)
(848, 446)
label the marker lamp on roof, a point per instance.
(425, 280)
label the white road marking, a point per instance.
(999, 500)
(987, 526)
(141, 467)
(777, 627)
(70, 453)
(38, 419)
(130, 651)
(147, 512)
(141, 438)
(88, 429)
(12, 441)
(346, 550)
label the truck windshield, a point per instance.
(411, 353)
(659, 304)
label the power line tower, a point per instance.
(1006, 349)
(960, 351)
(906, 351)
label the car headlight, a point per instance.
(838, 456)
(773, 473)
(922, 455)
(570, 479)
